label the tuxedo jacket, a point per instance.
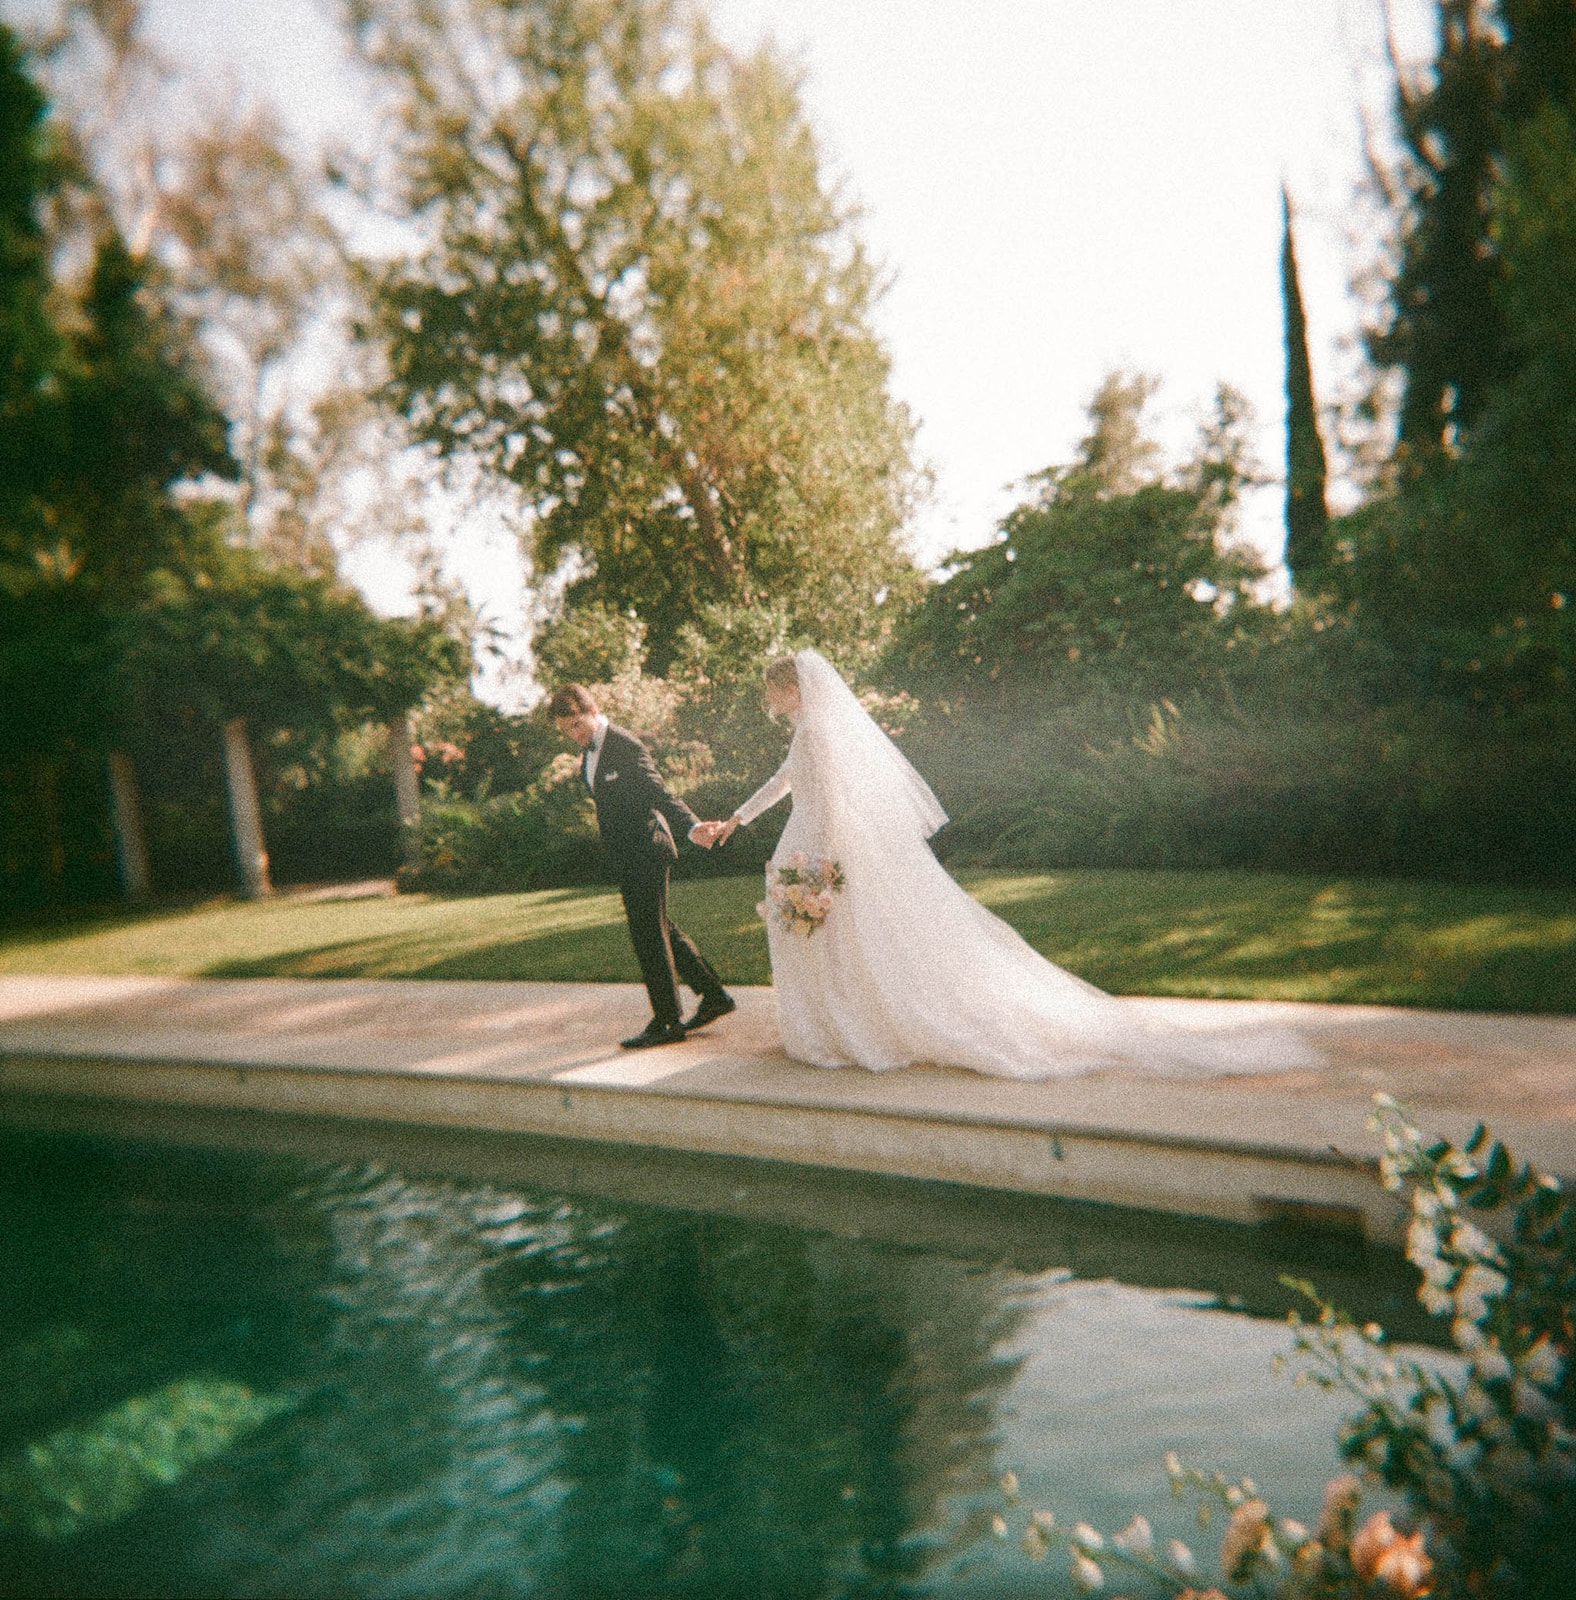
(639, 819)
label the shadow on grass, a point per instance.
(587, 955)
(599, 952)
(1272, 937)
(86, 922)
(1522, 980)
(1229, 935)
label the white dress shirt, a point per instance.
(594, 751)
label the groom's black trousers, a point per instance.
(666, 954)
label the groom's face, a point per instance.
(581, 728)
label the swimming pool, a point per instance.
(370, 1365)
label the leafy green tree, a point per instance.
(1482, 573)
(1498, 63)
(1307, 518)
(136, 421)
(1465, 574)
(640, 306)
(1444, 328)
(591, 643)
(118, 424)
(1108, 576)
(31, 347)
(223, 635)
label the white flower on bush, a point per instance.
(1468, 1336)
(1086, 1573)
(1137, 1538)
(1467, 1239)
(1475, 1288)
(1542, 1364)
(1530, 1401)
(1476, 1402)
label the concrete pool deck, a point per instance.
(543, 1059)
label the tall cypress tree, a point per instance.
(1307, 517)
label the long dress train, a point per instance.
(907, 966)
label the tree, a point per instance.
(227, 222)
(1464, 573)
(30, 344)
(639, 305)
(1108, 576)
(249, 257)
(1444, 328)
(1498, 63)
(1307, 518)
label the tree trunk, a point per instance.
(130, 842)
(46, 788)
(246, 817)
(407, 795)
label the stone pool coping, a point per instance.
(543, 1058)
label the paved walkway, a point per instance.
(544, 1059)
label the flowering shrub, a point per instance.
(799, 893)
(1487, 1465)
(510, 841)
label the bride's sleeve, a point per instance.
(765, 797)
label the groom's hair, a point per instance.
(572, 700)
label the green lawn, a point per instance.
(1230, 934)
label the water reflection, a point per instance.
(102, 1470)
(495, 1390)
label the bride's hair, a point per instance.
(782, 673)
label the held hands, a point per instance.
(708, 834)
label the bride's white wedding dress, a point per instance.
(908, 967)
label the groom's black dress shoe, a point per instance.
(656, 1033)
(710, 1008)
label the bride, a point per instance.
(904, 966)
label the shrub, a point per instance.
(1428, 792)
(546, 835)
(1487, 1465)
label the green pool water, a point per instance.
(384, 1370)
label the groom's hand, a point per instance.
(705, 834)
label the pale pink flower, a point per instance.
(1244, 1539)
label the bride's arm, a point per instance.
(764, 798)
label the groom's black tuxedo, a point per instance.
(640, 821)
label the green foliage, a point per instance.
(223, 636)
(1466, 575)
(1103, 580)
(1487, 1464)
(98, 447)
(642, 309)
(1445, 329)
(590, 643)
(31, 346)
(99, 1472)
(467, 749)
(718, 672)
(1415, 790)
(546, 835)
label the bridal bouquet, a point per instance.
(799, 893)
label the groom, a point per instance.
(636, 816)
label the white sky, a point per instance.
(1057, 187)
